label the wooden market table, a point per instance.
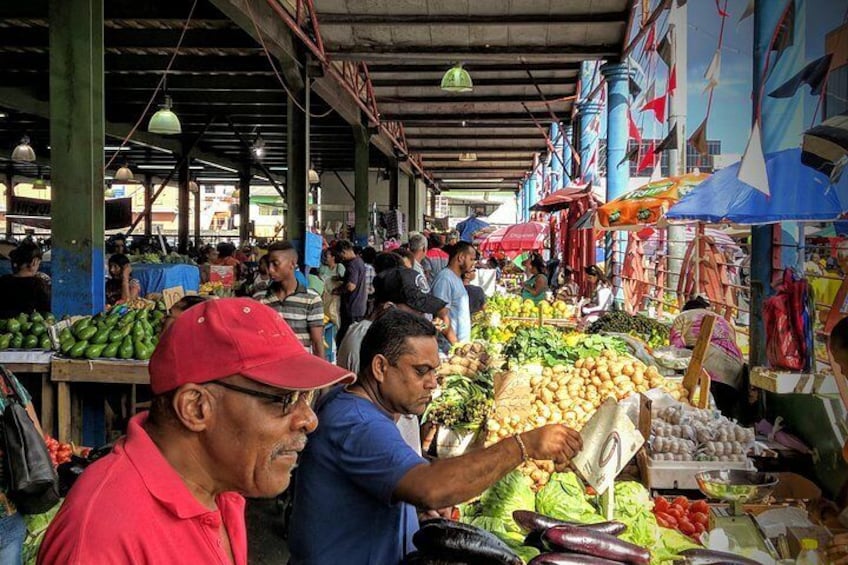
(65, 372)
(36, 362)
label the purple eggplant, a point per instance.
(533, 521)
(596, 544)
(452, 541)
(570, 559)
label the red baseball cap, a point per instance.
(237, 336)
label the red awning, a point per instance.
(561, 199)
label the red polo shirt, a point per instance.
(132, 507)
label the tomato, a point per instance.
(699, 528)
(700, 506)
(662, 521)
(677, 512)
(661, 504)
(686, 527)
(668, 519)
(682, 502)
(699, 518)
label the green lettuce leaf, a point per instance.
(513, 492)
(564, 498)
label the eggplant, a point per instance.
(588, 542)
(534, 539)
(709, 557)
(452, 541)
(569, 559)
(533, 521)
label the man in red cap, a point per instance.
(229, 416)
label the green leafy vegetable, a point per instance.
(526, 553)
(564, 498)
(513, 492)
(461, 404)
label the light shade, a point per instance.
(466, 157)
(23, 151)
(164, 121)
(39, 184)
(314, 178)
(457, 79)
(193, 187)
(124, 174)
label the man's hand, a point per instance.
(837, 551)
(553, 442)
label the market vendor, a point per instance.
(24, 291)
(120, 286)
(359, 482)
(536, 286)
(568, 290)
(229, 418)
(723, 359)
(600, 294)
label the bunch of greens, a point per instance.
(654, 333)
(634, 507)
(564, 498)
(534, 344)
(581, 346)
(461, 404)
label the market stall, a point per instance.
(155, 278)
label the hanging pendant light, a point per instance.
(314, 177)
(24, 151)
(193, 187)
(457, 79)
(124, 174)
(165, 121)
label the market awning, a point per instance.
(798, 193)
(826, 144)
(492, 241)
(529, 236)
(647, 204)
(562, 199)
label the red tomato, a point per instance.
(676, 511)
(661, 504)
(668, 519)
(662, 521)
(686, 527)
(682, 502)
(699, 518)
(699, 528)
(700, 506)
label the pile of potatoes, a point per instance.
(467, 360)
(570, 395)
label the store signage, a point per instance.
(35, 212)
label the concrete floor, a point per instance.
(266, 543)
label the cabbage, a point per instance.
(564, 498)
(492, 525)
(526, 553)
(671, 543)
(632, 498)
(634, 508)
(513, 492)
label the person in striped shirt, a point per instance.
(299, 306)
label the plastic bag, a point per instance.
(785, 318)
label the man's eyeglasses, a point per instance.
(286, 401)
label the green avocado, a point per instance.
(17, 341)
(13, 325)
(25, 327)
(5, 340)
(65, 334)
(87, 333)
(111, 350)
(30, 342)
(36, 317)
(80, 325)
(78, 350)
(126, 349)
(45, 342)
(4, 324)
(38, 328)
(66, 344)
(94, 350)
(102, 336)
(23, 318)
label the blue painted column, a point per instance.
(557, 160)
(532, 187)
(782, 124)
(618, 173)
(589, 112)
(567, 157)
(76, 155)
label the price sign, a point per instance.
(610, 440)
(172, 295)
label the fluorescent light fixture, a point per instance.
(278, 168)
(217, 166)
(474, 180)
(222, 180)
(3, 114)
(117, 148)
(166, 167)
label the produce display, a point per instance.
(464, 399)
(26, 331)
(119, 333)
(211, 288)
(563, 524)
(446, 541)
(654, 333)
(469, 360)
(59, 452)
(689, 518)
(685, 433)
(513, 306)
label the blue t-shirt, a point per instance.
(343, 509)
(449, 287)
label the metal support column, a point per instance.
(76, 139)
(197, 213)
(244, 204)
(567, 157)
(297, 185)
(10, 192)
(414, 220)
(362, 142)
(148, 202)
(183, 206)
(394, 188)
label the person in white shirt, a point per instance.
(600, 298)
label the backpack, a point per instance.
(787, 321)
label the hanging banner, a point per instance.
(35, 212)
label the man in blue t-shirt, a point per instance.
(359, 484)
(448, 286)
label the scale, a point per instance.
(738, 487)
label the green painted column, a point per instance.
(76, 155)
(414, 214)
(297, 136)
(362, 142)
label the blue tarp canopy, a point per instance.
(797, 193)
(469, 226)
